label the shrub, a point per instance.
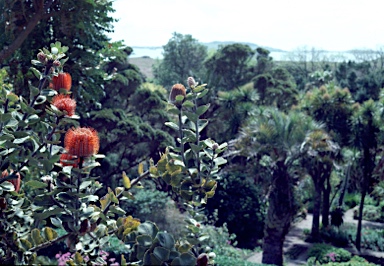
(324, 253)
(59, 190)
(241, 208)
(338, 236)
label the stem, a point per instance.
(181, 137)
(46, 244)
(47, 71)
(133, 183)
(197, 141)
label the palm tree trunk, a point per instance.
(326, 204)
(279, 216)
(359, 223)
(315, 231)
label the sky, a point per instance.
(333, 25)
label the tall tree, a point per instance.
(183, 56)
(276, 137)
(365, 137)
(230, 66)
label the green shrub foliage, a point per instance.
(60, 193)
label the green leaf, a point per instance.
(148, 228)
(161, 253)
(49, 234)
(21, 140)
(34, 91)
(184, 259)
(104, 201)
(202, 109)
(202, 94)
(36, 184)
(36, 237)
(191, 116)
(78, 259)
(219, 161)
(48, 92)
(126, 181)
(188, 104)
(166, 240)
(172, 125)
(56, 222)
(144, 240)
(24, 244)
(202, 124)
(35, 72)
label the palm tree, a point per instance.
(365, 137)
(278, 136)
(322, 152)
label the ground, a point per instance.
(295, 241)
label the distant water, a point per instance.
(157, 53)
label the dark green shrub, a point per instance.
(239, 206)
(355, 261)
(324, 253)
(156, 206)
(351, 200)
(336, 235)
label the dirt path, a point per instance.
(294, 241)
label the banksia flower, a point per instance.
(82, 142)
(16, 181)
(177, 89)
(62, 81)
(64, 103)
(67, 159)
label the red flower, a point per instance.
(64, 103)
(62, 81)
(82, 141)
(67, 159)
(16, 181)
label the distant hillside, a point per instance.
(157, 51)
(215, 45)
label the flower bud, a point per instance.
(202, 260)
(215, 146)
(177, 89)
(56, 63)
(54, 50)
(191, 82)
(62, 81)
(42, 57)
(3, 203)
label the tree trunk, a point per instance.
(315, 231)
(359, 223)
(273, 245)
(326, 195)
(279, 216)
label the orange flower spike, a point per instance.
(64, 103)
(67, 159)
(82, 142)
(62, 81)
(177, 89)
(16, 181)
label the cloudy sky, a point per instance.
(334, 25)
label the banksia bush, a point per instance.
(82, 141)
